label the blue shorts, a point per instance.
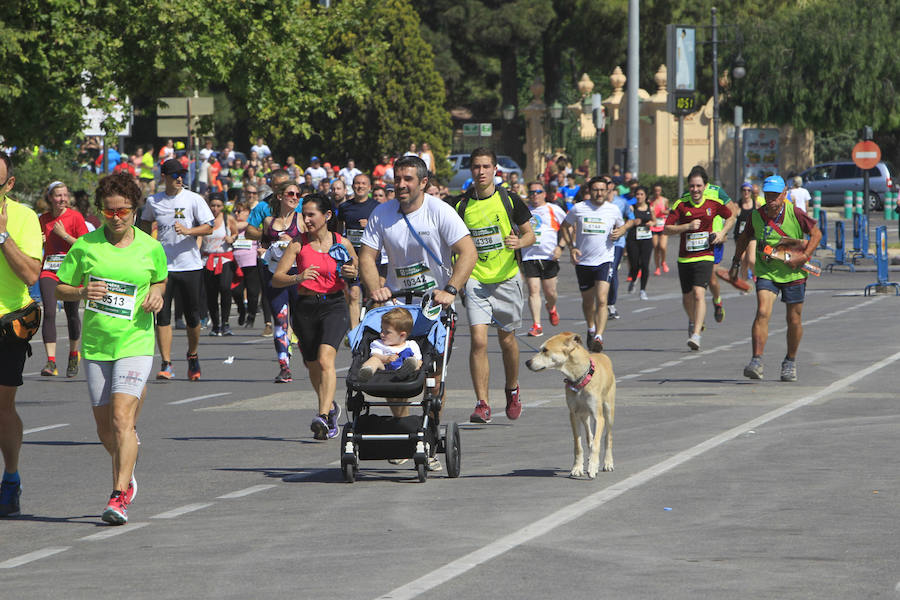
(791, 293)
(588, 275)
(718, 253)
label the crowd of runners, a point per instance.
(304, 247)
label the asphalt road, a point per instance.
(723, 488)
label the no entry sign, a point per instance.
(866, 155)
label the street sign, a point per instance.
(470, 129)
(486, 129)
(177, 107)
(176, 127)
(866, 155)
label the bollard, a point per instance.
(858, 203)
(864, 236)
(881, 264)
(890, 207)
(817, 203)
(848, 204)
(840, 257)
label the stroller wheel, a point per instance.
(422, 472)
(349, 470)
(452, 451)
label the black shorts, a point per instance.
(588, 275)
(543, 269)
(12, 361)
(694, 274)
(319, 320)
(189, 283)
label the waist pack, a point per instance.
(21, 325)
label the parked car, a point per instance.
(461, 172)
(834, 178)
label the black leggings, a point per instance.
(639, 254)
(218, 293)
(48, 299)
(253, 284)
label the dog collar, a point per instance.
(585, 379)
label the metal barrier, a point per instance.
(861, 237)
(823, 227)
(881, 263)
(840, 257)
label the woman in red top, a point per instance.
(320, 315)
(61, 226)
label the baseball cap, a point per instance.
(172, 167)
(773, 183)
(314, 159)
(389, 186)
(746, 186)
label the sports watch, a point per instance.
(3, 237)
(451, 290)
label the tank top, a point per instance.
(660, 212)
(328, 281)
(641, 232)
(276, 246)
(215, 243)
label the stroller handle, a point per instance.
(406, 294)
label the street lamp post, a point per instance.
(715, 61)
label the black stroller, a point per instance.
(370, 436)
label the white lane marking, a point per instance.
(569, 513)
(651, 370)
(182, 510)
(539, 403)
(44, 428)
(670, 363)
(112, 532)
(32, 556)
(195, 399)
(30, 374)
(256, 341)
(625, 377)
(245, 492)
(643, 309)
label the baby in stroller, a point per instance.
(393, 351)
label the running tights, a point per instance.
(48, 299)
(639, 254)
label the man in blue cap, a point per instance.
(316, 171)
(778, 224)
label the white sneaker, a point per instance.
(694, 342)
(434, 464)
(644, 295)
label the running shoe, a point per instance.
(596, 344)
(554, 316)
(665, 268)
(656, 272)
(319, 427)
(613, 313)
(513, 404)
(165, 371)
(789, 370)
(10, 492)
(131, 492)
(284, 375)
(644, 295)
(694, 341)
(193, 367)
(49, 369)
(482, 413)
(72, 367)
(433, 464)
(754, 369)
(267, 331)
(251, 321)
(214, 332)
(226, 330)
(630, 287)
(116, 512)
(720, 311)
(333, 415)
(397, 461)
(536, 331)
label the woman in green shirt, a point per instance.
(120, 272)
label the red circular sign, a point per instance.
(866, 154)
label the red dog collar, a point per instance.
(585, 379)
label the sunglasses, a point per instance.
(109, 213)
(535, 192)
(175, 175)
(292, 194)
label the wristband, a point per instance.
(451, 290)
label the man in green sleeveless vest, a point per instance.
(781, 225)
(500, 224)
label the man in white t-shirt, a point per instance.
(349, 173)
(181, 217)
(400, 227)
(261, 149)
(590, 229)
(207, 150)
(799, 195)
(315, 171)
(540, 261)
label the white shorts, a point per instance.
(124, 376)
(497, 304)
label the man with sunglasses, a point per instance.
(540, 261)
(20, 265)
(181, 217)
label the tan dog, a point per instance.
(590, 392)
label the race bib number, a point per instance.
(53, 261)
(118, 302)
(415, 278)
(660, 222)
(355, 236)
(242, 244)
(487, 239)
(741, 227)
(280, 244)
(643, 233)
(593, 226)
(696, 241)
